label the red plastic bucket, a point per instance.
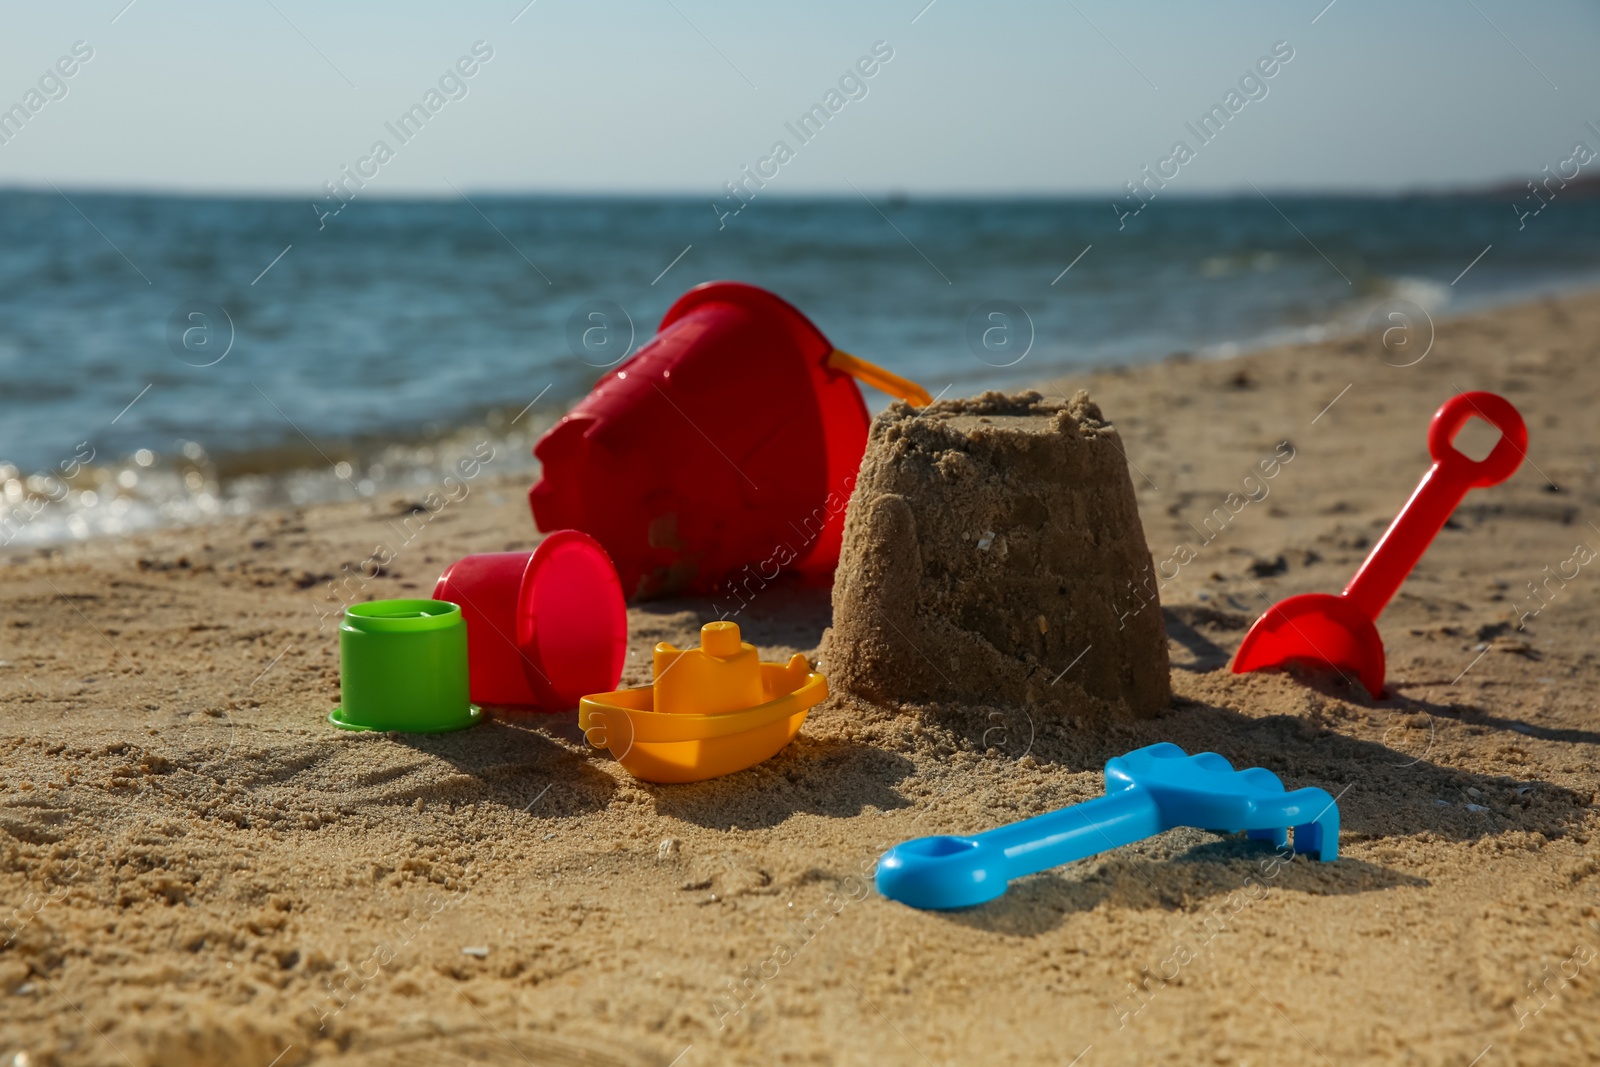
(544, 628)
(725, 448)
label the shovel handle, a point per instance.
(1437, 495)
(1502, 462)
(880, 379)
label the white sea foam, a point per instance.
(148, 491)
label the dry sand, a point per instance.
(198, 869)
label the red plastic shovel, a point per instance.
(1340, 631)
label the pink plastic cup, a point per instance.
(544, 628)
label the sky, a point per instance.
(676, 96)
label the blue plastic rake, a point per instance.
(1147, 791)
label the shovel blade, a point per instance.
(1317, 629)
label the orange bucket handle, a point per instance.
(879, 379)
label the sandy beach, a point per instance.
(196, 868)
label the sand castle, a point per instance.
(989, 551)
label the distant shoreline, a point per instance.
(1581, 188)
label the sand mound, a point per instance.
(990, 557)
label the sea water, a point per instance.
(168, 359)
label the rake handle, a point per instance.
(1075, 832)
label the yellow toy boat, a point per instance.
(713, 710)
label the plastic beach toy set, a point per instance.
(548, 629)
(637, 500)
